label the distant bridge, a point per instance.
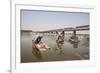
(78, 28)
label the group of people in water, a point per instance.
(43, 46)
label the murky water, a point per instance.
(69, 51)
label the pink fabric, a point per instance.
(42, 46)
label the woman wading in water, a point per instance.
(60, 42)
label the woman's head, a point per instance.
(38, 39)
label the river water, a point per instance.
(68, 52)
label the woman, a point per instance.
(60, 39)
(40, 45)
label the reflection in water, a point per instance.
(59, 47)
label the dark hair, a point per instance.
(38, 39)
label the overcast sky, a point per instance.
(46, 20)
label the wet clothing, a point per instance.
(60, 40)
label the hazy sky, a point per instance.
(46, 20)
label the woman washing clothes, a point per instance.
(40, 45)
(60, 39)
